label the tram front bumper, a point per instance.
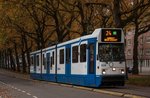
(113, 80)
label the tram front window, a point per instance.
(111, 52)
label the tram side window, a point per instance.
(83, 53)
(32, 61)
(44, 61)
(75, 54)
(51, 62)
(37, 60)
(52, 58)
(48, 59)
(61, 56)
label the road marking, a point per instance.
(23, 91)
(34, 97)
(3, 83)
(19, 90)
(11, 86)
(28, 94)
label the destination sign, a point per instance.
(111, 35)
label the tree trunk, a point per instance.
(23, 53)
(0, 59)
(135, 58)
(28, 60)
(12, 63)
(135, 51)
(17, 58)
(2, 56)
(117, 13)
(27, 55)
(5, 65)
(23, 62)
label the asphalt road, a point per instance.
(20, 88)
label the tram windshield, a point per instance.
(111, 52)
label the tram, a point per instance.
(92, 60)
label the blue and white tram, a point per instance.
(92, 60)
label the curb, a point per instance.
(133, 96)
(108, 92)
(83, 88)
(65, 85)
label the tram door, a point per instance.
(68, 60)
(91, 62)
(48, 62)
(92, 58)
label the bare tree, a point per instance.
(61, 15)
(135, 13)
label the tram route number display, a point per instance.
(111, 35)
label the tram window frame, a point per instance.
(75, 54)
(37, 60)
(83, 53)
(61, 56)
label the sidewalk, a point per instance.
(145, 73)
(4, 92)
(14, 74)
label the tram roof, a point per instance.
(93, 35)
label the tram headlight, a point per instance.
(122, 71)
(113, 69)
(103, 71)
